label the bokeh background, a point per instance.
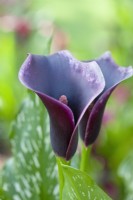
(87, 28)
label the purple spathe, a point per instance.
(61, 74)
(113, 75)
(75, 94)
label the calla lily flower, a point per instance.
(67, 87)
(113, 75)
(75, 94)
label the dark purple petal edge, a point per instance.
(97, 92)
(95, 118)
(61, 121)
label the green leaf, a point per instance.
(32, 172)
(125, 171)
(8, 179)
(79, 186)
(2, 196)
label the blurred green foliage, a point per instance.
(87, 28)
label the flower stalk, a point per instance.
(85, 155)
(61, 161)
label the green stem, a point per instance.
(61, 161)
(85, 154)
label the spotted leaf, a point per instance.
(32, 173)
(78, 185)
